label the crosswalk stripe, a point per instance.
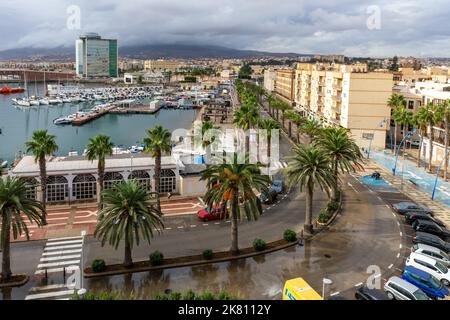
(63, 242)
(57, 264)
(73, 246)
(50, 294)
(65, 238)
(61, 257)
(54, 270)
(62, 252)
(48, 287)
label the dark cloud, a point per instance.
(408, 27)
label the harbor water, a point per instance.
(17, 124)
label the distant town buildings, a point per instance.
(163, 65)
(96, 57)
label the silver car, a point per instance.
(399, 289)
(431, 252)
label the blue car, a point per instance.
(277, 185)
(426, 282)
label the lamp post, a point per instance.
(408, 136)
(437, 178)
(380, 125)
(325, 281)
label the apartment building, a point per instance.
(284, 84)
(270, 76)
(162, 65)
(348, 96)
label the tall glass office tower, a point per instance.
(96, 57)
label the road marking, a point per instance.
(205, 224)
(401, 234)
(72, 246)
(378, 275)
(60, 253)
(358, 284)
(57, 264)
(168, 228)
(52, 270)
(216, 222)
(50, 294)
(63, 242)
(180, 227)
(351, 186)
(398, 223)
(400, 246)
(390, 266)
(193, 225)
(387, 206)
(49, 287)
(61, 257)
(334, 293)
(379, 198)
(65, 238)
(398, 255)
(399, 269)
(228, 221)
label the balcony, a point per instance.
(337, 98)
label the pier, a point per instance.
(81, 120)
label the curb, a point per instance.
(17, 283)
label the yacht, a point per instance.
(44, 101)
(23, 102)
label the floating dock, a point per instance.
(81, 120)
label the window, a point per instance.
(84, 186)
(111, 178)
(167, 181)
(57, 188)
(142, 177)
(410, 104)
(31, 184)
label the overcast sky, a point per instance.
(406, 27)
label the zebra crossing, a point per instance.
(60, 256)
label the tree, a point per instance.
(15, 208)
(127, 215)
(246, 118)
(282, 106)
(157, 143)
(98, 148)
(444, 110)
(245, 72)
(268, 125)
(422, 128)
(234, 185)
(429, 114)
(297, 119)
(41, 145)
(403, 117)
(394, 102)
(310, 128)
(309, 168)
(342, 151)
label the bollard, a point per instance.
(46, 274)
(64, 273)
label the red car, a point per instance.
(216, 213)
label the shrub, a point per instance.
(156, 258)
(189, 295)
(206, 296)
(175, 296)
(289, 235)
(98, 265)
(161, 297)
(324, 216)
(259, 245)
(332, 206)
(208, 254)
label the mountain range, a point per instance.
(153, 51)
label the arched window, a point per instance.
(57, 189)
(142, 177)
(84, 186)
(111, 178)
(167, 181)
(31, 184)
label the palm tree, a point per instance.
(395, 101)
(234, 185)
(403, 117)
(268, 125)
(282, 106)
(15, 208)
(246, 118)
(310, 128)
(422, 128)
(445, 114)
(295, 118)
(157, 143)
(41, 145)
(343, 152)
(270, 102)
(98, 148)
(429, 114)
(128, 215)
(309, 168)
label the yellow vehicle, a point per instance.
(299, 289)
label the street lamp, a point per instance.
(325, 281)
(407, 136)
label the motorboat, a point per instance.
(44, 101)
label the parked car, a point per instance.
(269, 198)
(431, 227)
(278, 186)
(397, 288)
(431, 266)
(410, 217)
(364, 293)
(425, 282)
(403, 207)
(431, 252)
(214, 213)
(431, 240)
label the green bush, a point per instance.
(156, 258)
(289, 235)
(259, 245)
(175, 296)
(324, 216)
(98, 265)
(208, 254)
(332, 206)
(206, 296)
(189, 295)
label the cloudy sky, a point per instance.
(351, 27)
